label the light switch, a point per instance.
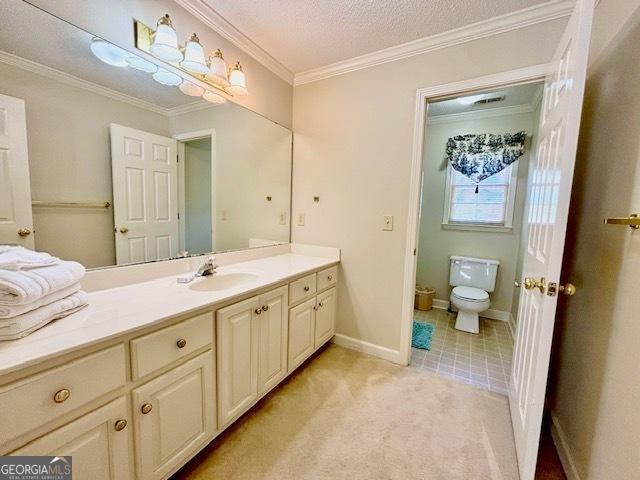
(282, 220)
(387, 222)
(301, 219)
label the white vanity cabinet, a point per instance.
(174, 414)
(99, 442)
(252, 339)
(325, 327)
(302, 321)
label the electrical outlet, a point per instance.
(282, 219)
(301, 219)
(387, 222)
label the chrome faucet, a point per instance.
(208, 268)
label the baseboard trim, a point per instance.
(366, 347)
(491, 313)
(512, 327)
(564, 452)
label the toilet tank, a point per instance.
(473, 272)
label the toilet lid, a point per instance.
(471, 293)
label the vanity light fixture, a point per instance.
(108, 52)
(214, 98)
(165, 77)
(237, 81)
(139, 63)
(191, 89)
(194, 60)
(218, 69)
(165, 41)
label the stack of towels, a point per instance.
(35, 289)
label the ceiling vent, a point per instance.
(485, 101)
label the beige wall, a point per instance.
(594, 385)
(353, 148)
(437, 243)
(70, 160)
(113, 20)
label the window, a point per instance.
(491, 207)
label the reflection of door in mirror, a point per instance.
(16, 221)
(145, 195)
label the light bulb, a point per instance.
(217, 69)
(194, 60)
(165, 41)
(237, 81)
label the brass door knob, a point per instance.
(61, 395)
(120, 424)
(265, 308)
(146, 408)
(124, 229)
(568, 289)
(531, 283)
(24, 232)
(181, 343)
(258, 311)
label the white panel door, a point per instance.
(16, 221)
(302, 321)
(548, 205)
(98, 442)
(325, 316)
(174, 415)
(273, 325)
(237, 337)
(145, 195)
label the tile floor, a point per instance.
(482, 360)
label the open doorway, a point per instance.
(476, 156)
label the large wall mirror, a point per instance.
(103, 165)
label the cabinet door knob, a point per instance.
(181, 343)
(315, 307)
(61, 395)
(329, 277)
(120, 424)
(146, 408)
(306, 289)
(258, 311)
(265, 308)
(320, 305)
(124, 229)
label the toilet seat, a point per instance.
(470, 294)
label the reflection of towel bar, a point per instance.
(40, 203)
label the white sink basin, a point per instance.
(221, 281)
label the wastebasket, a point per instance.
(424, 297)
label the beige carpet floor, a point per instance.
(346, 415)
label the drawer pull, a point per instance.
(120, 424)
(181, 343)
(61, 395)
(329, 277)
(265, 308)
(146, 408)
(315, 307)
(306, 288)
(258, 311)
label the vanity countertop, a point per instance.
(121, 310)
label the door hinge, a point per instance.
(177, 159)
(178, 215)
(415, 250)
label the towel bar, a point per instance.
(40, 203)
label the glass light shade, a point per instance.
(191, 89)
(213, 97)
(237, 81)
(194, 60)
(218, 69)
(165, 42)
(108, 52)
(141, 64)
(166, 77)
(469, 100)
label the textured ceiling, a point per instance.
(306, 34)
(518, 95)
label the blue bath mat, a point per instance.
(421, 336)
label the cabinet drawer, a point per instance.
(302, 288)
(158, 349)
(39, 399)
(327, 278)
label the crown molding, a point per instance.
(480, 114)
(66, 78)
(203, 12)
(188, 108)
(511, 21)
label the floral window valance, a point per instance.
(481, 156)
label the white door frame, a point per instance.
(423, 96)
(186, 137)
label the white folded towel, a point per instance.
(27, 286)
(8, 311)
(20, 258)
(23, 325)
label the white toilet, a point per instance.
(473, 279)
